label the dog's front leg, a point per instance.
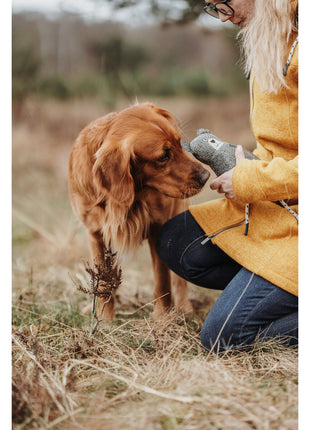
(180, 294)
(162, 292)
(97, 248)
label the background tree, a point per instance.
(25, 69)
(77, 57)
(178, 11)
(115, 56)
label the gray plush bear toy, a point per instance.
(220, 156)
(216, 153)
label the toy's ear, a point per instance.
(111, 172)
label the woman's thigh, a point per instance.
(179, 246)
(250, 308)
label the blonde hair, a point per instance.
(264, 42)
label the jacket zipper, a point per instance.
(211, 236)
(246, 222)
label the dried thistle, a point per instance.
(105, 277)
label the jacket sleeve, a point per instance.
(255, 180)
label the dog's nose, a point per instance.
(203, 176)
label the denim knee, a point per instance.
(174, 237)
(250, 309)
(215, 336)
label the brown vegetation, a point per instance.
(134, 373)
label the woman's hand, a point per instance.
(223, 184)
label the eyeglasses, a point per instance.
(219, 7)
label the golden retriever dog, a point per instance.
(128, 175)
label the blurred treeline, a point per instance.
(69, 57)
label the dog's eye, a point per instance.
(165, 157)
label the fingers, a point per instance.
(216, 184)
(223, 184)
(239, 154)
(231, 195)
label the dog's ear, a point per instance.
(111, 171)
(166, 114)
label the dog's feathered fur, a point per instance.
(128, 174)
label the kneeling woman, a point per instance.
(245, 244)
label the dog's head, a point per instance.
(142, 149)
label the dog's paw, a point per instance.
(185, 307)
(160, 311)
(107, 315)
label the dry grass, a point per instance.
(133, 373)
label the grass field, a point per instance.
(135, 373)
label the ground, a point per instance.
(133, 373)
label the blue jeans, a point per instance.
(249, 309)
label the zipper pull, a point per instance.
(247, 215)
(207, 239)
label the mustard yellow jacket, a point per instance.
(270, 249)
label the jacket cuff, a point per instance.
(247, 191)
